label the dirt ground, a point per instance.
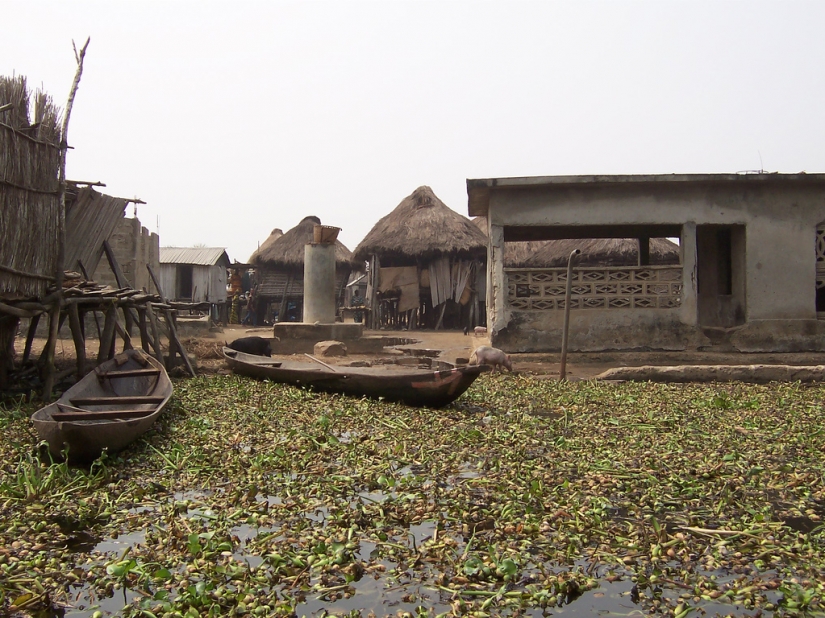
(449, 346)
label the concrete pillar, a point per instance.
(319, 283)
(689, 310)
(496, 282)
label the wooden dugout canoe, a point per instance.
(109, 408)
(415, 387)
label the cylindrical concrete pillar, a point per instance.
(319, 283)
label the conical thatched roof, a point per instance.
(287, 251)
(273, 236)
(595, 251)
(422, 226)
(602, 252)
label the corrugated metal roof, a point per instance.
(202, 256)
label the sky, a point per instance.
(230, 119)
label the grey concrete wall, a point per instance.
(134, 247)
(599, 329)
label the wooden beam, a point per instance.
(127, 373)
(101, 415)
(108, 401)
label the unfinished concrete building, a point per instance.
(751, 275)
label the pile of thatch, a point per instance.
(287, 251)
(602, 252)
(29, 191)
(273, 236)
(420, 229)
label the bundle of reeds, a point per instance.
(29, 190)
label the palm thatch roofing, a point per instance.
(422, 227)
(273, 236)
(515, 253)
(594, 251)
(602, 252)
(287, 251)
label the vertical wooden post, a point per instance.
(108, 337)
(153, 322)
(47, 357)
(35, 320)
(77, 336)
(174, 341)
(144, 335)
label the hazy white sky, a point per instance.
(234, 118)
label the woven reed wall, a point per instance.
(29, 191)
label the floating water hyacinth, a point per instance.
(523, 497)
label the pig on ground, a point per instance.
(252, 345)
(485, 355)
(480, 330)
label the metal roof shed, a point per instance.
(194, 273)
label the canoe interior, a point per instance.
(109, 408)
(418, 387)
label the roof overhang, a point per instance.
(479, 190)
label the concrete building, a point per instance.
(751, 276)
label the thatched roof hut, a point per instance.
(420, 229)
(280, 264)
(273, 236)
(287, 251)
(594, 251)
(602, 252)
(422, 255)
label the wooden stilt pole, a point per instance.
(107, 338)
(35, 320)
(173, 331)
(47, 358)
(79, 341)
(153, 322)
(144, 335)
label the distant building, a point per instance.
(194, 274)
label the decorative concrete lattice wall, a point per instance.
(647, 287)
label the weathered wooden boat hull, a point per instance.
(108, 409)
(414, 387)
